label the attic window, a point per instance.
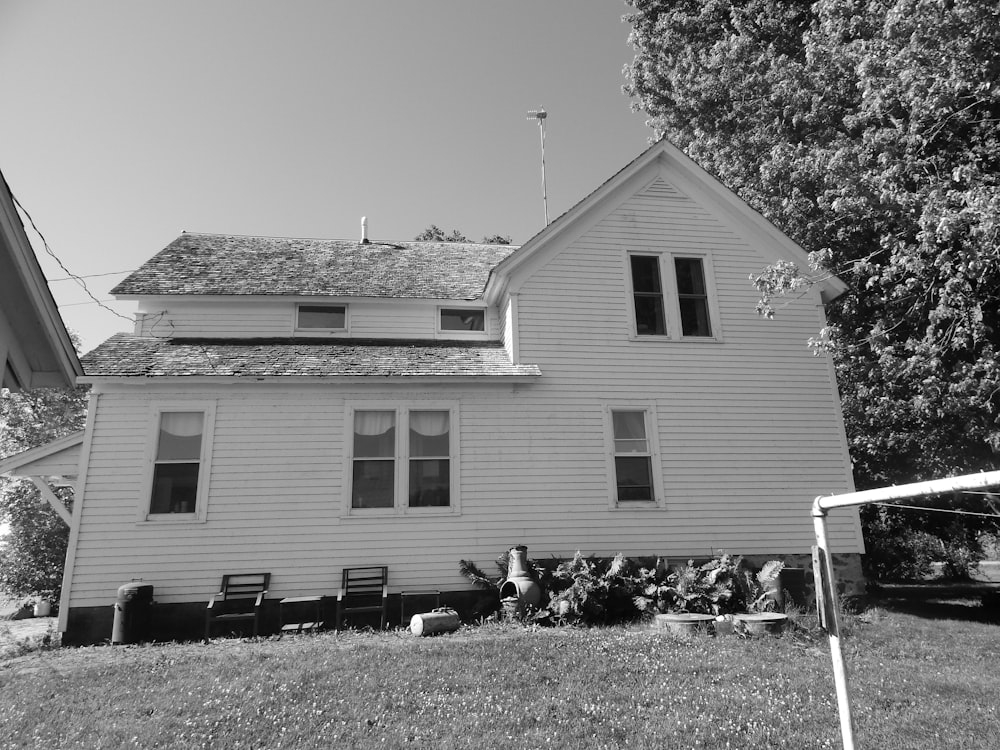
(321, 317)
(463, 320)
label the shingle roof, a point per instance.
(230, 264)
(127, 355)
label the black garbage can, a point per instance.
(132, 613)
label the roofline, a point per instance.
(372, 380)
(345, 239)
(36, 286)
(42, 451)
(332, 298)
(830, 288)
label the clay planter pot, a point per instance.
(686, 624)
(761, 623)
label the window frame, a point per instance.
(156, 410)
(650, 424)
(458, 333)
(672, 296)
(401, 457)
(300, 331)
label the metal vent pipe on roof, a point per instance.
(364, 230)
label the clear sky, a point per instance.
(126, 122)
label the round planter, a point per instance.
(761, 623)
(43, 608)
(683, 623)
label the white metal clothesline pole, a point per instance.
(821, 507)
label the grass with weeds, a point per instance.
(917, 683)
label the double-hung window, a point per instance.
(179, 472)
(692, 297)
(634, 456)
(671, 296)
(403, 459)
(647, 295)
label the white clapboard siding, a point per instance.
(275, 318)
(748, 428)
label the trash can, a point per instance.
(132, 613)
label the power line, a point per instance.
(90, 276)
(79, 280)
(95, 302)
(937, 510)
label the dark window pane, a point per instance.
(374, 483)
(694, 317)
(322, 316)
(690, 277)
(649, 319)
(646, 274)
(635, 479)
(429, 483)
(371, 446)
(463, 320)
(175, 488)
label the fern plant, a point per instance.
(755, 588)
(706, 589)
(589, 590)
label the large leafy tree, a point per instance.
(869, 131)
(33, 552)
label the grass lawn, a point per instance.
(919, 681)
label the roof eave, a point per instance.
(372, 380)
(19, 460)
(47, 334)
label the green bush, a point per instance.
(902, 545)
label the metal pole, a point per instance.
(821, 507)
(545, 194)
(906, 491)
(540, 115)
(832, 625)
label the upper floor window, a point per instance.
(671, 296)
(403, 459)
(692, 296)
(321, 317)
(463, 320)
(647, 291)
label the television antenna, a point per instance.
(540, 115)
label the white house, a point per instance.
(300, 406)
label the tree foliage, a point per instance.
(434, 233)
(33, 552)
(869, 131)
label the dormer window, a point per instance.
(321, 318)
(463, 320)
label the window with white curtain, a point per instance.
(403, 459)
(430, 452)
(177, 463)
(374, 478)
